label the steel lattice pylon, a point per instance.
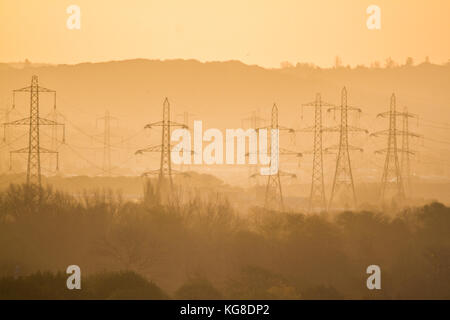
(34, 155)
(343, 184)
(34, 121)
(406, 152)
(255, 122)
(165, 171)
(186, 116)
(107, 169)
(391, 178)
(317, 198)
(405, 165)
(274, 196)
(6, 134)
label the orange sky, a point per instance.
(253, 31)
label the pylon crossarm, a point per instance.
(331, 129)
(44, 150)
(181, 149)
(25, 89)
(154, 124)
(411, 152)
(379, 133)
(150, 173)
(405, 133)
(282, 128)
(162, 123)
(150, 149)
(357, 109)
(22, 150)
(383, 151)
(39, 88)
(335, 147)
(42, 89)
(356, 129)
(336, 108)
(307, 129)
(350, 148)
(24, 121)
(177, 124)
(384, 114)
(396, 132)
(412, 134)
(338, 129)
(262, 128)
(48, 122)
(406, 114)
(314, 103)
(411, 115)
(349, 108)
(283, 151)
(354, 148)
(286, 174)
(387, 114)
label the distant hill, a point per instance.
(221, 94)
(136, 88)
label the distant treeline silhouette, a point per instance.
(201, 248)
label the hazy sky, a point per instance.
(253, 31)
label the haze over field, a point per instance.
(222, 94)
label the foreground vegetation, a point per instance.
(201, 248)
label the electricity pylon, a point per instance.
(317, 199)
(406, 152)
(34, 121)
(5, 119)
(274, 195)
(107, 142)
(392, 177)
(343, 184)
(54, 136)
(186, 116)
(255, 122)
(165, 171)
